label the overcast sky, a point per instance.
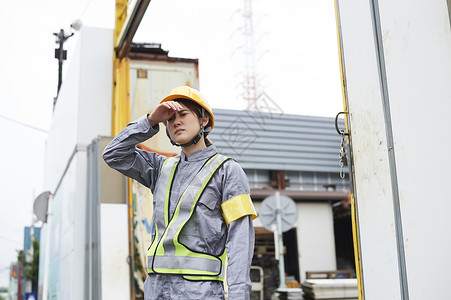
(296, 66)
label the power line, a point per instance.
(86, 8)
(8, 227)
(10, 240)
(3, 268)
(24, 124)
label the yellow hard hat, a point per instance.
(194, 95)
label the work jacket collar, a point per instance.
(200, 154)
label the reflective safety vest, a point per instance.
(166, 254)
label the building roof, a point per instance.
(154, 52)
(277, 141)
(152, 48)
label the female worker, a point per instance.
(202, 209)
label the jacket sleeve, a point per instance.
(240, 237)
(240, 249)
(122, 154)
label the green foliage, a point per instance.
(31, 268)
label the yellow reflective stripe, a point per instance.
(166, 198)
(152, 247)
(237, 207)
(165, 161)
(219, 277)
(185, 271)
(160, 250)
(204, 278)
(209, 261)
(177, 209)
(179, 248)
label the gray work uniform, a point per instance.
(207, 231)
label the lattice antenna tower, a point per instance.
(250, 81)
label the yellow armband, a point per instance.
(237, 207)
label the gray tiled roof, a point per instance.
(268, 141)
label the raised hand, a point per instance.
(163, 112)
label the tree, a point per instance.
(3, 290)
(31, 268)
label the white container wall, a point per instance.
(315, 234)
(88, 249)
(115, 269)
(397, 68)
(82, 112)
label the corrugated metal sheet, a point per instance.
(268, 141)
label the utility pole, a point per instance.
(60, 55)
(20, 267)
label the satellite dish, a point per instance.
(268, 212)
(40, 206)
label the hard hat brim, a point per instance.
(171, 97)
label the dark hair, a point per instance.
(197, 110)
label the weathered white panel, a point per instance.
(372, 177)
(96, 84)
(79, 206)
(69, 281)
(315, 234)
(162, 77)
(146, 93)
(67, 245)
(82, 112)
(416, 44)
(62, 136)
(417, 47)
(83, 108)
(114, 249)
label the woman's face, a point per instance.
(184, 125)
